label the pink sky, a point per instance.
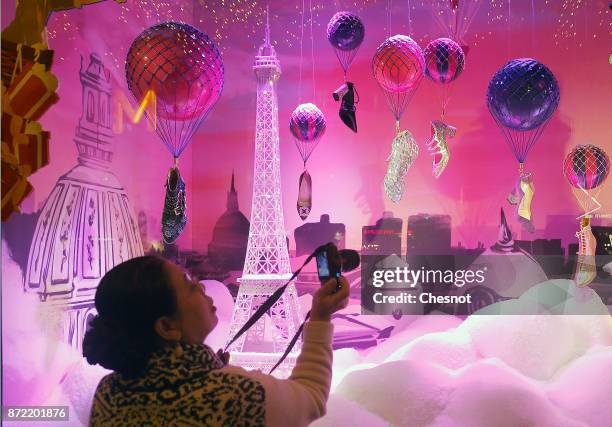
(347, 169)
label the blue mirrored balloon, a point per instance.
(523, 94)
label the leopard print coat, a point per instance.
(180, 391)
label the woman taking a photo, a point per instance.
(150, 330)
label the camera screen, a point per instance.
(322, 265)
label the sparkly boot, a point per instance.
(404, 151)
(527, 192)
(586, 268)
(174, 217)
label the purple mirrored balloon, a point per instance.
(444, 60)
(345, 31)
(523, 94)
(307, 123)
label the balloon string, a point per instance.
(314, 89)
(301, 54)
(532, 27)
(456, 32)
(445, 95)
(509, 29)
(409, 20)
(582, 110)
(389, 5)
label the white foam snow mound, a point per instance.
(531, 370)
(342, 412)
(519, 370)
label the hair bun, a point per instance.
(110, 345)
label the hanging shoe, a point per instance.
(586, 267)
(348, 108)
(440, 131)
(304, 202)
(526, 191)
(174, 217)
(404, 151)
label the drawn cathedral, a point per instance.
(86, 225)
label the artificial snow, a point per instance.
(437, 371)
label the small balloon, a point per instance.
(586, 166)
(307, 124)
(345, 31)
(523, 94)
(444, 60)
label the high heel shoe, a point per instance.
(438, 144)
(526, 191)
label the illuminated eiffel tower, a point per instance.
(267, 265)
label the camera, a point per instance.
(340, 92)
(329, 263)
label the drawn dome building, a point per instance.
(228, 247)
(86, 225)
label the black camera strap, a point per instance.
(295, 338)
(291, 343)
(266, 305)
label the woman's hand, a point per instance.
(327, 300)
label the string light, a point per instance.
(238, 23)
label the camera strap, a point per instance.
(291, 343)
(266, 305)
(294, 339)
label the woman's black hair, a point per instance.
(129, 299)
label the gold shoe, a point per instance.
(528, 191)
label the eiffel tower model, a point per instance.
(266, 266)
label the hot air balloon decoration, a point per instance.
(586, 168)
(345, 32)
(307, 125)
(522, 96)
(397, 66)
(444, 62)
(182, 68)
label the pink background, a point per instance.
(347, 169)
